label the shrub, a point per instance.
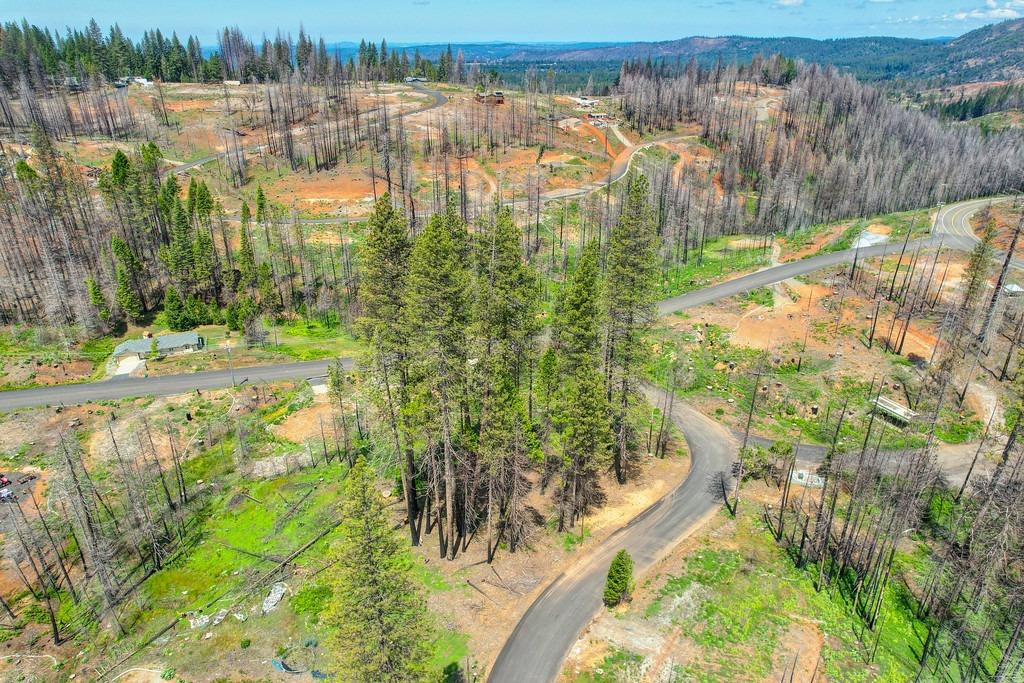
(310, 601)
(245, 643)
(619, 584)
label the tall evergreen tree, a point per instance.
(246, 254)
(385, 264)
(204, 265)
(631, 278)
(581, 413)
(96, 299)
(175, 311)
(504, 325)
(436, 317)
(377, 619)
(127, 299)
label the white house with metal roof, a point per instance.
(176, 342)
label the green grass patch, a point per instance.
(720, 261)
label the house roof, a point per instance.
(164, 342)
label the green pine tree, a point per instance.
(168, 198)
(125, 256)
(508, 301)
(270, 298)
(580, 410)
(120, 169)
(127, 299)
(175, 311)
(132, 264)
(377, 620)
(630, 294)
(261, 205)
(384, 265)
(436, 316)
(619, 584)
(384, 260)
(246, 258)
(204, 265)
(96, 299)
(576, 332)
(179, 255)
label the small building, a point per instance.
(492, 98)
(232, 82)
(177, 342)
(570, 123)
(1013, 289)
(896, 411)
(73, 84)
(415, 79)
(584, 102)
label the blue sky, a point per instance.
(528, 20)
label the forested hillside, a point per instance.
(838, 148)
(990, 53)
(43, 58)
(994, 52)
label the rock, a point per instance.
(241, 616)
(208, 635)
(276, 593)
(219, 616)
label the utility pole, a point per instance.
(753, 400)
(230, 369)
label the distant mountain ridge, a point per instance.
(994, 52)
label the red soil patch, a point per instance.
(322, 192)
(187, 105)
(1005, 216)
(305, 424)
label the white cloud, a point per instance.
(993, 9)
(789, 3)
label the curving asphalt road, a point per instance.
(535, 650)
(544, 635)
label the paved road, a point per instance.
(955, 220)
(951, 223)
(773, 274)
(535, 650)
(169, 385)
